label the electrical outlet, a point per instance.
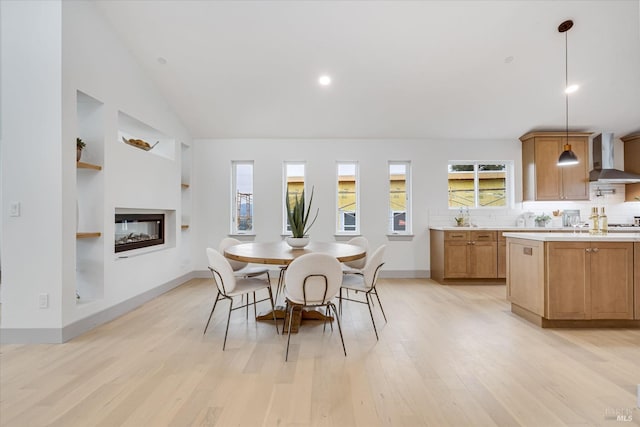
(43, 301)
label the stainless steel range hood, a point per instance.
(603, 169)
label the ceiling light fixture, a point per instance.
(324, 80)
(568, 157)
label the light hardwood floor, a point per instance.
(449, 356)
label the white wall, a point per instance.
(50, 50)
(405, 257)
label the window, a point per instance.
(294, 182)
(479, 184)
(347, 198)
(242, 197)
(399, 197)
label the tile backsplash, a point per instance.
(618, 211)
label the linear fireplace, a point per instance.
(135, 231)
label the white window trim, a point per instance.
(233, 226)
(338, 231)
(409, 195)
(286, 232)
(510, 190)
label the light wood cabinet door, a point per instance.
(548, 179)
(575, 178)
(568, 288)
(483, 258)
(502, 259)
(611, 271)
(632, 164)
(636, 279)
(456, 259)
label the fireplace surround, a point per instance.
(135, 230)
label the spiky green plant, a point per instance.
(298, 213)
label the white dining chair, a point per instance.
(243, 269)
(230, 286)
(313, 280)
(365, 283)
(356, 266)
(240, 269)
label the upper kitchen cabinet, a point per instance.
(632, 164)
(542, 178)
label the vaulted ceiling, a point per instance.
(400, 69)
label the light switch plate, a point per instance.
(14, 209)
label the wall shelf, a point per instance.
(88, 235)
(85, 165)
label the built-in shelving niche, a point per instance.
(90, 200)
(185, 186)
(132, 128)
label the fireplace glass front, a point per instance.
(135, 231)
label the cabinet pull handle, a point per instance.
(483, 235)
(456, 235)
(588, 250)
(595, 249)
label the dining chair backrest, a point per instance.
(371, 269)
(223, 273)
(305, 279)
(364, 244)
(224, 244)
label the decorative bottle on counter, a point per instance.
(595, 226)
(604, 223)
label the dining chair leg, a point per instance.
(211, 314)
(273, 310)
(280, 286)
(380, 304)
(290, 310)
(340, 301)
(224, 344)
(335, 311)
(368, 296)
(255, 310)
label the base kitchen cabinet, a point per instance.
(581, 283)
(464, 254)
(590, 280)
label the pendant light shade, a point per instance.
(568, 157)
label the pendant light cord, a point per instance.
(566, 83)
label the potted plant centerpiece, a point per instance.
(298, 216)
(79, 147)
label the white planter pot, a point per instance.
(297, 242)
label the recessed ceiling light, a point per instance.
(161, 60)
(571, 88)
(324, 80)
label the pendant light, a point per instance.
(568, 157)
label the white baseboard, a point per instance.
(79, 327)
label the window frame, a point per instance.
(340, 214)
(234, 181)
(509, 183)
(285, 221)
(408, 229)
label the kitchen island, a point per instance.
(574, 279)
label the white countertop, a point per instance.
(577, 237)
(616, 230)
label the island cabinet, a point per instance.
(464, 254)
(590, 280)
(636, 279)
(542, 178)
(558, 280)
